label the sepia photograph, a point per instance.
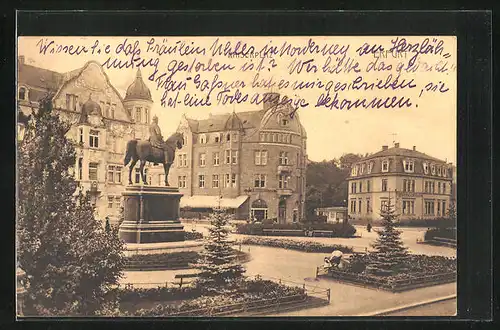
(223, 176)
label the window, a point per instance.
(283, 158)
(444, 208)
(216, 160)
(433, 169)
(284, 122)
(203, 160)
(445, 172)
(182, 160)
(80, 133)
(260, 157)
(385, 166)
(384, 205)
(439, 187)
(408, 165)
(94, 138)
(182, 181)
(360, 203)
(426, 168)
(439, 170)
(118, 201)
(71, 101)
(227, 156)
(80, 168)
(22, 93)
(93, 171)
(260, 181)
(433, 186)
(362, 169)
(408, 207)
(353, 187)
(353, 206)
(444, 187)
(114, 174)
(107, 110)
(227, 181)
(370, 167)
(215, 181)
(262, 137)
(113, 106)
(201, 181)
(409, 185)
(146, 115)
(228, 137)
(138, 115)
(233, 180)
(438, 211)
(217, 138)
(234, 156)
(384, 184)
(368, 210)
(274, 137)
(203, 139)
(368, 188)
(361, 187)
(283, 182)
(354, 171)
(111, 200)
(429, 207)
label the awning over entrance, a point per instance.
(209, 202)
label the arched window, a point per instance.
(228, 137)
(203, 139)
(22, 93)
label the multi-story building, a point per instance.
(252, 163)
(420, 186)
(102, 123)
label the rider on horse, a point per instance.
(155, 136)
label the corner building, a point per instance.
(251, 163)
(102, 122)
(420, 186)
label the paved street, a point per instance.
(346, 300)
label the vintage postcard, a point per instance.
(236, 176)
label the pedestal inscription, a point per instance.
(151, 215)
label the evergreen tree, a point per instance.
(390, 256)
(70, 260)
(218, 265)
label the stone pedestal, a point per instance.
(151, 215)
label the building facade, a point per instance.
(102, 123)
(252, 163)
(420, 186)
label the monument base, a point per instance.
(151, 215)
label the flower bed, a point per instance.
(192, 235)
(421, 270)
(305, 246)
(338, 229)
(162, 261)
(251, 294)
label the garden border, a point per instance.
(394, 286)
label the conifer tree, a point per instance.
(69, 259)
(218, 265)
(390, 256)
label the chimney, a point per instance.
(385, 147)
(21, 59)
(414, 148)
(396, 145)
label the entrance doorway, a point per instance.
(258, 210)
(282, 211)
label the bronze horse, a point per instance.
(143, 150)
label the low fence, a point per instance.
(313, 295)
(390, 285)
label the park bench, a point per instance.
(322, 233)
(182, 278)
(285, 232)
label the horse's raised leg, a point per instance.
(132, 165)
(143, 176)
(166, 168)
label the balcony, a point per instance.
(284, 192)
(285, 169)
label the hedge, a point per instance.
(305, 246)
(167, 260)
(450, 233)
(429, 223)
(339, 229)
(192, 235)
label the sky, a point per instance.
(431, 126)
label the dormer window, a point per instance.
(23, 93)
(217, 138)
(385, 166)
(203, 139)
(426, 168)
(439, 170)
(433, 169)
(445, 172)
(284, 122)
(409, 165)
(362, 169)
(370, 167)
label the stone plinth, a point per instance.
(151, 215)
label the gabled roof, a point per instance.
(40, 78)
(403, 152)
(217, 123)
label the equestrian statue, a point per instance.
(153, 150)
